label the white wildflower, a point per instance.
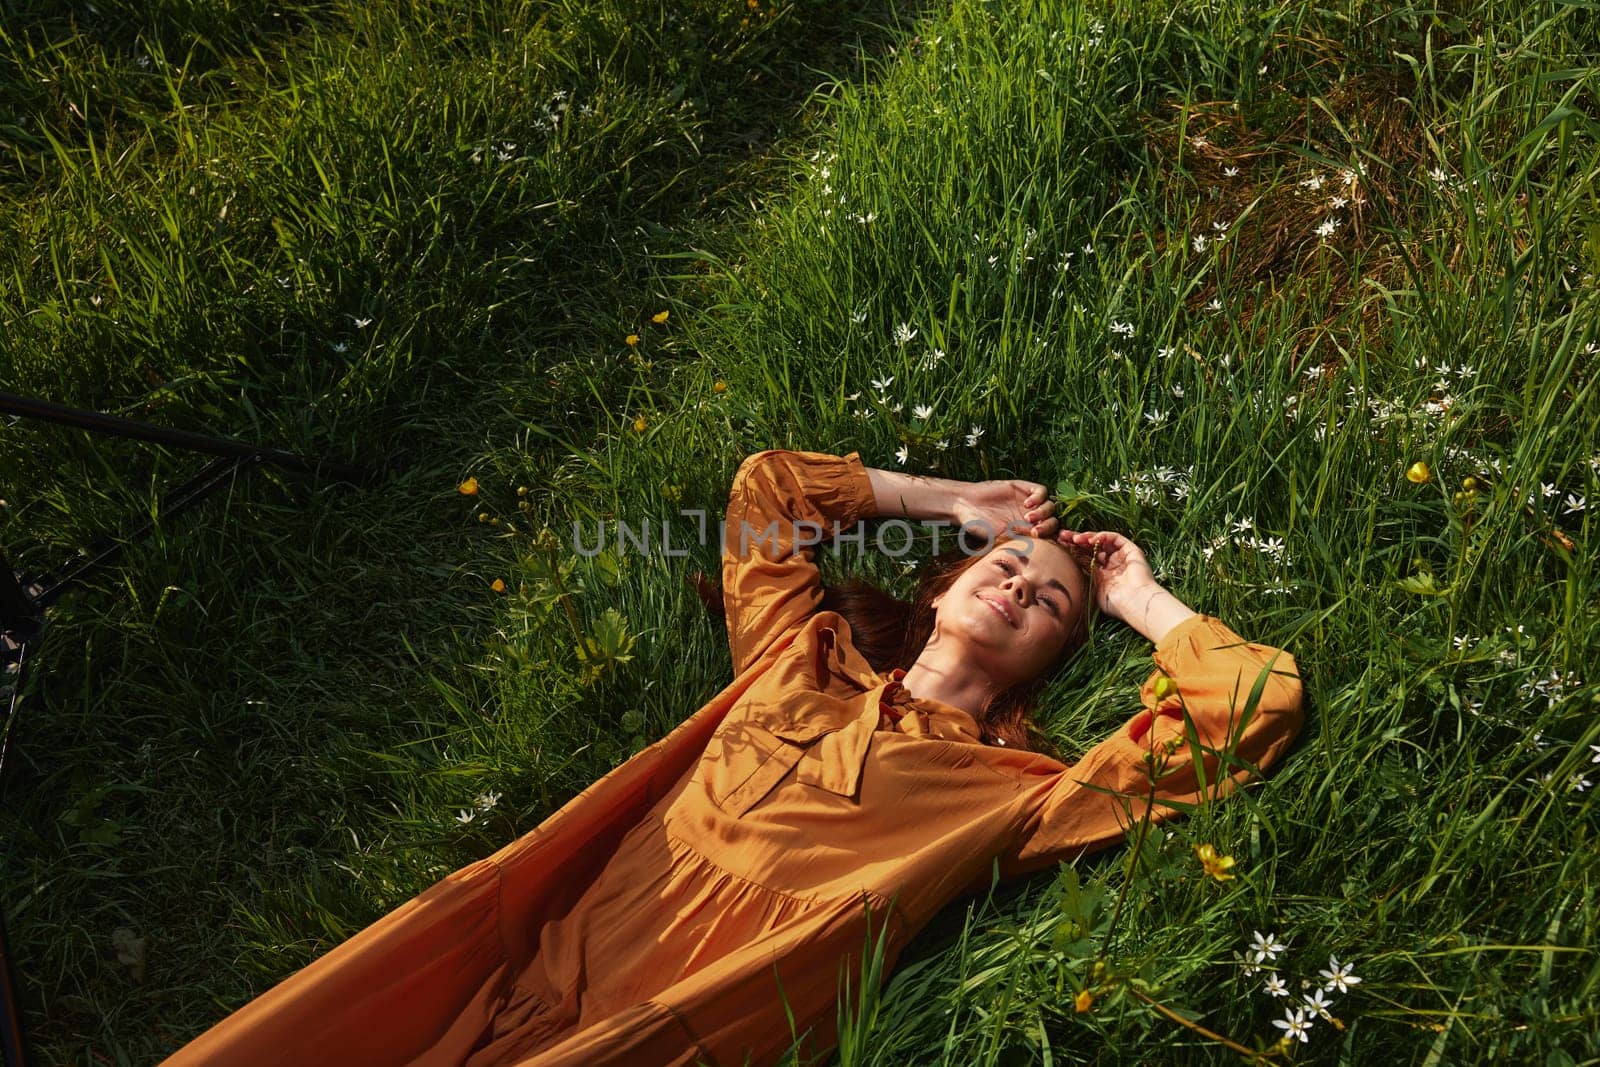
(903, 333)
(1295, 1025)
(464, 816)
(1275, 986)
(1339, 975)
(1267, 945)
(1199, 242)
(922, 411)
(900, 455)
(1574, 503)
(1230, 172)
(486, 801)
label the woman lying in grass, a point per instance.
(869, 763)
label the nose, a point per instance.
(1019, 588)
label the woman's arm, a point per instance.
(1244, 701)
(1125, 587)
(1001, 503)
(783, 503)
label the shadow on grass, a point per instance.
(309, 238)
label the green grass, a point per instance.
(253, 736)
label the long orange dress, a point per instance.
(667, 913)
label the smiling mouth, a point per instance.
(1000, 609)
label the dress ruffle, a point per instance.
(656, 914)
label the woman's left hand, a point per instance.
(1007, 504)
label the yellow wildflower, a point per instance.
(1164, 687)
(1216, 866)
(1083, 1001)
(719, 386)
(632, 340)
(1418, 472)
(659, 317)
(498, 585)
(468, 487)
(639, 424)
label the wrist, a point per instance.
(1129, 604)
(1152, 610)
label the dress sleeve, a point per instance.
(1215, 671)
(782, 504)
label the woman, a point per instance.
(685, 907)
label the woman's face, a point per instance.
(1013, 609)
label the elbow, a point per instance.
(1282, 709)
(1288, 694)
(755, 461)
(757, 465)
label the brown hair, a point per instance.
(891, 633)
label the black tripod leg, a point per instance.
(12, 1051)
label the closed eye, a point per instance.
(1048, 601)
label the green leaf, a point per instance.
(1423, 585)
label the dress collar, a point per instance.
(924, 715)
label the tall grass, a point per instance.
(1114, 222)
(272, 725)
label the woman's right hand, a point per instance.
(1121, 571)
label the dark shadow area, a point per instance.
(175, 759)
